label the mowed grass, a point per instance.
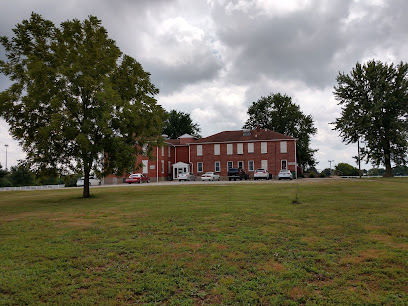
(345, 243)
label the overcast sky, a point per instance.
(214, 58)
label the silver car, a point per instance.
(186, 176)
(285, 174)
(93, 181)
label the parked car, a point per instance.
(186, 176)
(285, 174)
(260, 174)
(210, 176)
(93, 181)
(237, 173)
(137, 178)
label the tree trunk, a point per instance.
(86, 193)
(388, 170)
(387, 160)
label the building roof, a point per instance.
(173, 142)
(234, 136)
(250, 135)
(185, 136)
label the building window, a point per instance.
(240, 148)
(284, 147)
(250, 147)
(169, 169)
(199, 167)
(230, 165)
(251, 165)
(264, 164)
(169, 152)
(162, 151)
(229, 149)
(217, 166)
(217, 149)
(241, 164)
(284, 164)
(162, 166)
(264, 147)
(199, 150)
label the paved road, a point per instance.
(199, 182)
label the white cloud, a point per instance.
(214, 58)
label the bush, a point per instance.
(312, 174)
(322, 175)
(4, 182)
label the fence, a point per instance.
(43, 187)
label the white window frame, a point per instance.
(249, 165)
(219, 166)
(163, 151)
(286, 164)
(284, 147)
(264, 147)
(230, 149)
(199, 150)
(242, 163)
(240, 148)
(162, 166)
(200, 165)
(217, 150)
(232, 164)
(251, 147)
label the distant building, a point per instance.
(246, 149)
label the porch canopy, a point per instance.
(179, 168)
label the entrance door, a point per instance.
(145, 165)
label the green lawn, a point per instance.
(345, 243)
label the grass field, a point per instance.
(346, 242)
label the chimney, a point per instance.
(258, 128)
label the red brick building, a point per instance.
(247, 149)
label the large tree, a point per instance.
(179, 123)
(374, 100)
(278, 113)
(76, 102)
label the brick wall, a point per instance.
(273, 157)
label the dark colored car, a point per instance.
(237, 174)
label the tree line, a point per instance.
(77, 103)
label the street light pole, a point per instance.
(6, 145)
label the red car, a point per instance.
(137, 178)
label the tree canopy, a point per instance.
(278, 113)
(76, 101)
(346, 169)
(374, 100)
(180, 123)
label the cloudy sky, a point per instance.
(213, 58)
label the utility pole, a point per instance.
(330, 161)
(359, 164)
(6, 145)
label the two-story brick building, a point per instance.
(247, 149)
